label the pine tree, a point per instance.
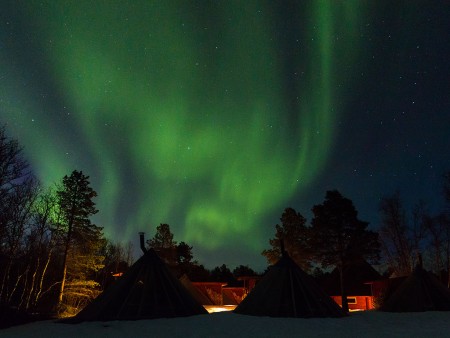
(243, 271)
(178, 256)
(164, 244)
(81, 239)
(163, 238)
(339, 237)
(222, 274)
(294, 234)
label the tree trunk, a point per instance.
(66, 253)
(343, 292)
(4, 290)
(41, 279)
(63, 283)
(33, 284)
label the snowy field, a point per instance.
(228, 324)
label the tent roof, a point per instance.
(287, 291)
(421, 291)
(147, 290)
(356, 276)
(195, 292)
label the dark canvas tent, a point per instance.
(356, 276)
(287, 291)
(147, 290)
(421, 291)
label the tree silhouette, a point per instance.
(294, 234)
(13, 166)
(118, 258)
(402, 237)
(18, 192)
(185, 259)
(243, 271)
(79, 236)
(222, 274)
(163, 238)
(394, 235)
(164, 244)
(339, 237)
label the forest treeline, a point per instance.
(336, 238)
(54, 260)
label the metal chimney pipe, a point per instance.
(141, 239)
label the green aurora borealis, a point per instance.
(205, 115)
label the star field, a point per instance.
(215, 116)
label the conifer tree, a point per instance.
(164, 244)
(81, 239)
(178, 256)
(294, 234)
(339, 237)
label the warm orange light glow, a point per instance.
(219, 308)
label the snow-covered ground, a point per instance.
(228, 324)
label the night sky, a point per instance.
(214, 116)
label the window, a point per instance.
(351, 300)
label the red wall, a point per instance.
(362, 302)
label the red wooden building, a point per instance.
(358, 279)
